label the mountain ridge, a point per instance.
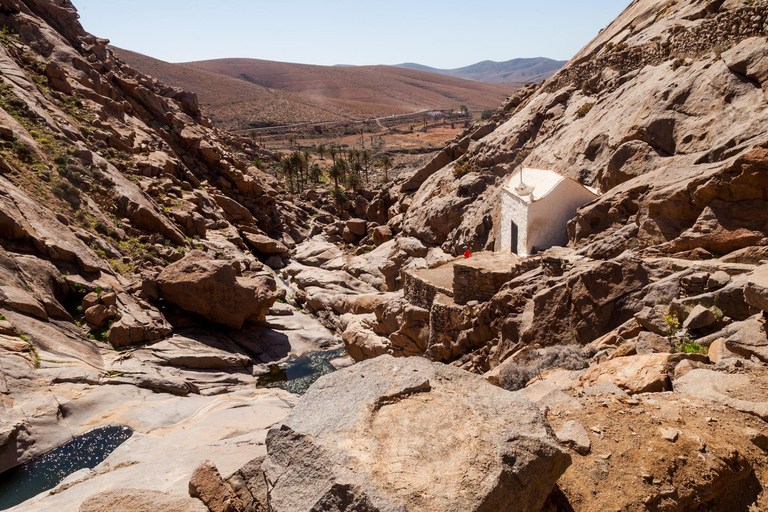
(520, 70)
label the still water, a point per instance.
(47, 471)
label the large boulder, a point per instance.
(410, 434)
(215, 290)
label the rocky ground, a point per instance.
(149, 274)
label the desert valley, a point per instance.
(242, 285)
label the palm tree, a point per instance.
(353, 178)
(336, 172)
(332, 153)
(320, 150)
(315, 173)
(286, 165)
(386, 164)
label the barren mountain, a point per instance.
(362, 91)
(236, 104)
(517, 71)
(245, 93)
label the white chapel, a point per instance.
(536, 206)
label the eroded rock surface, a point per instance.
(407, 434)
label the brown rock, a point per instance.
(249, 484)
(140, 500)
(654, 319)
(97, 315)
(356, 227)
(213, 289)
(649, 343)
(638, 374)
(719, 352)
(90, 300)
(109, 298)
(381, 235)
(266, 245)
(699, 317)
(206, 483)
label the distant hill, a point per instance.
(515, 70)
(362, 91)
(246, 93)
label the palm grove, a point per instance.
(348, 170)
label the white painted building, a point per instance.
(536, 207)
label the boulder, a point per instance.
(356, 227)
(213, 289)
(266, 245)
(648, 343)
(140, 500)
(409, 434)
(319, 253)
(717, 280)
(574, 435)
(719, 352)
(655, 319)
(207, 485)
(649, 373)
(722, 388)
(750, 340)
(381, 235)
(249, 485)
(756, 289)
(699, 317)
(97, 315)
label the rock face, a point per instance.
(407, 434)
(213, 289)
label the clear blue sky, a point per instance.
(438, 33)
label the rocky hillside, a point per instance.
(124, 218)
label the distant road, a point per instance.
(377, 120)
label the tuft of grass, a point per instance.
(691, 347)
(584, 110)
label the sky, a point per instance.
(437, 33)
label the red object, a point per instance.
(467, 253)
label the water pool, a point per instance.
(48, 470)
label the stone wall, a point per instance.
(480, 283)
(717, 33)
(447, 320)
(419, 292)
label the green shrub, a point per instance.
(584, 110)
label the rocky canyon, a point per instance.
(165, 278)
